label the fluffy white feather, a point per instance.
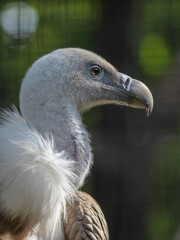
(35, 179)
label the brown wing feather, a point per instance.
(14, 226)
(85, 220)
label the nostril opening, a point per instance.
(127, 82)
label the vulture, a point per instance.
(45, 151)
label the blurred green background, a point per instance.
(136, 172)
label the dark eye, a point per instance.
(95, 71)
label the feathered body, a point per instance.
(45, 153)
(85, 219)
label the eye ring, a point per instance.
(95, 71)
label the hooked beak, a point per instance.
(139, 96)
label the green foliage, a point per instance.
(154, 55)
(164, 217)
(162, 223)
(157, 41)
(158, 47)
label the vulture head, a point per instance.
(80, 79)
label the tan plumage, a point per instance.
(21, 236)
(85, 219)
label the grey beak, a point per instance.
(139, 96)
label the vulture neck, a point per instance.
(69, 134)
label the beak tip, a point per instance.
(149, 108)
(148, 112)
